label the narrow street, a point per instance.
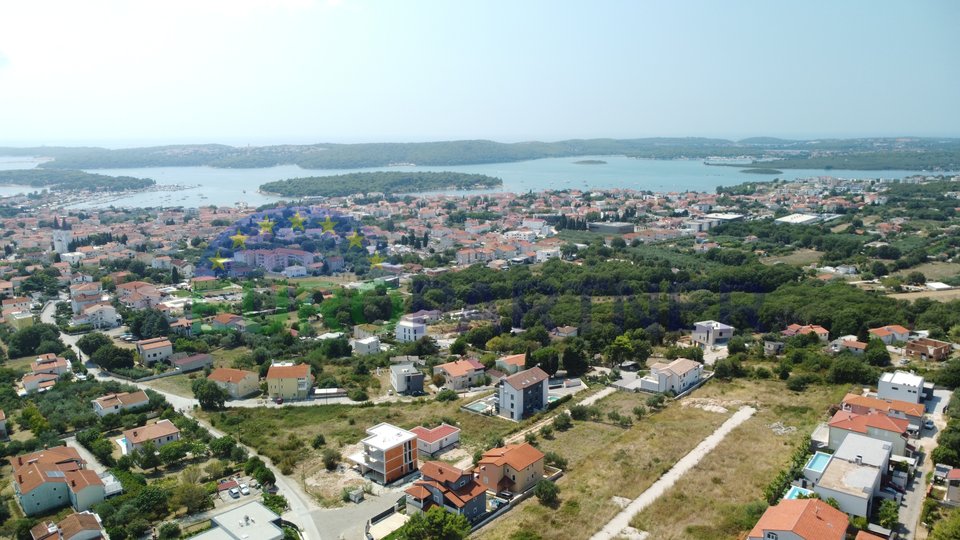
(912, 504)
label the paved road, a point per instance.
(301, 504)
(621, 521)
(913, 500)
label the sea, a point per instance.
(205, 186)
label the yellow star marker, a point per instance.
(355, 240)
(296, 222)
(376, 260)
(239, 240)
(266, 226)
(218, 261)
(328, 225)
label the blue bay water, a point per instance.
(223, 187)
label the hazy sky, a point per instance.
(128, 72)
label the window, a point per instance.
(771, 536)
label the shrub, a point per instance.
(331, 458)
(319, 441)
(579, 412)
(562, 422)
(447, 395)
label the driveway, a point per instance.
(347, 522)
(913, 500)
(92, 462)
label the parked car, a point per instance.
(506, 495)
(235, 493)
(928, 423)
(244, 489)
(279, 400)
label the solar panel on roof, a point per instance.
(55, 474)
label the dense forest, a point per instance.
(387, 182)
(878, 153)
(72, 180)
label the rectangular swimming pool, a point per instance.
(818, 462)
(478, 406)
(796, 491)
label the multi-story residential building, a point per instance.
(116, 403)
(409, 331)
(54, 478)
(875, 425)
(460, 374)
(902, 386)
(389, 453)
(161, 433)
(710, 333)
(912, 412)
(154, 350)
(522, 394)
(676, 376)
(406, 378)
(237, 383)
(288, 381)
(100, 316)
(514, 468)
(449, 488)
(50, 363)
(366, 345)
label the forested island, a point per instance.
(387, 182)
(590, 162)
(765, 152)
(72, 180)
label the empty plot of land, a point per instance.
(605, 462)
(800, 257)
(622, 520)
(939, 296)
(722, 496)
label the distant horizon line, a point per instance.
(115, 144)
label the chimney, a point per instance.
(73, 483)
(859, 460)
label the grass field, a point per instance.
(938, 296)
(800, 257)
(177, 384)
(934, 271)
(606, 461)
(721, 496)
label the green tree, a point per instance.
(89, 343)
(146, 457)
(435, 524)
(876, 353)
(173, 452)
(191, 496)
(947, 528)
(547, 491)
(889, 514)
(210, 396)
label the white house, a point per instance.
(99, 315)
(902, 386)
(890, 334)
(710, 333)
(115, 403)
(161, 433)
(677, 376)
(545, 254)
(432, 440)
(875, 425)
(851, 484)
(295, 271)
(409, 331)
(365, 346)
(154, 350)
(461, 374)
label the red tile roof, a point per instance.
(432, 435)
(810, 519)
(299, 371)
(860, 422)
(518, 456)
(229, 375)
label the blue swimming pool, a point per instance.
(818, 462)
(795, 492)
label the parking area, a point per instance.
(236, 489)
